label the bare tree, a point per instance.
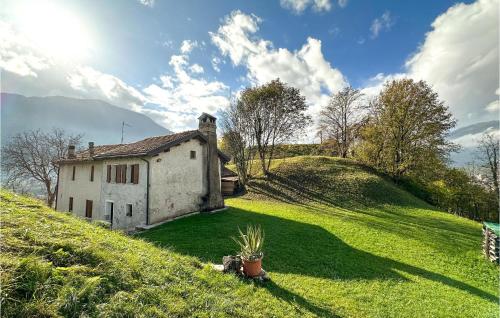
(342, 117)
(488, 149)
(238, 140)
(34, 155)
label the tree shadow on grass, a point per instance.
(385, 203)
(291, 247)
(292, 298)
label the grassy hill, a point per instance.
(341, 241)
(55, 265)
(344, 241)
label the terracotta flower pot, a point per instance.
(252, 268)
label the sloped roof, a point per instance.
(145, 147)
(228, 172)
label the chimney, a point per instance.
(207, 125)
(71, 152)
(91, 148)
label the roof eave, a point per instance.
(195, 134)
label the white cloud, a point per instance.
(459, 58)
(174, 102)
(305, 69)
(472, 140)
(147, 3)
(107, 87)
(382, 23)
(215, 63)
(298, 6)
(196, 68)
(28, 70)
(187, 46)
(375, 84)
(18, 55)
(493, 107)
(182, 97)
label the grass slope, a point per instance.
(342, 241)
(53, 264)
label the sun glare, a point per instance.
(57, 32)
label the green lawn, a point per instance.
(342, 241)
(55, 265)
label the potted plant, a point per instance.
(251, 250)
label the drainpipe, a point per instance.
(147, 190)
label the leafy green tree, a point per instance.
(407, 129)
(275, 113)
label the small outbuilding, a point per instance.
(229, 181)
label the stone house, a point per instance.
(144, 182)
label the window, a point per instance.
(121, 174)
(70, 208)
(108, 174)
(92, 174)
(73, 174)
(134, 174)
(88, 209)
(129, 209)
(192, 155)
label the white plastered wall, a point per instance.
(80, 189)
(178, 183)
(122, 194)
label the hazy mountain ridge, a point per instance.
(97, 120)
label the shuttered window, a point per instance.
(134, 174)
(108, 174)
(92, 174)
(118, 173)
(121, 173)
(70, 208)
(73, 174)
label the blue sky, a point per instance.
(173, 59)
(140, 31)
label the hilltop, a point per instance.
(327, 180)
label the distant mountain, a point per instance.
(97, 120)
(468, 137)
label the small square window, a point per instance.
(129, 209)
(192, 154)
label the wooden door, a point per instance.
(88, 209)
